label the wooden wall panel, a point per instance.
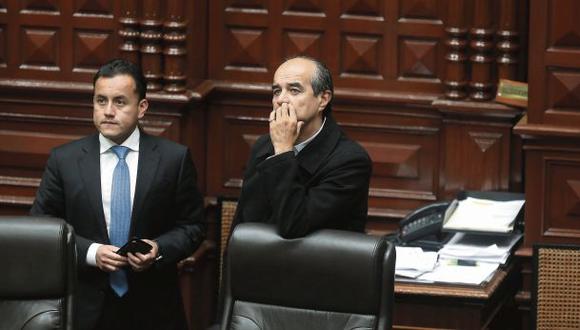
(393, 45)
(552, 206)
(555, 63)
(57, 40)
(477, 157)
(234, 126)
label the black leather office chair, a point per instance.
(328, 280)
(38, 273)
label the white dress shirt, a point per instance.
(108, 162)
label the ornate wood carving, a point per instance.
(151, 50)
(129, 31)
(481, 33)
(175, 51)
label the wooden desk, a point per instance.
(446, 306)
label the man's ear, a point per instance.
(143, 106)
(325, 98)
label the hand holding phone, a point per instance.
(135, 245)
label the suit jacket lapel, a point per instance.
(148, 162)
(90, 170)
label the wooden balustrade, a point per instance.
(476, 76)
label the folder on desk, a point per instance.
(484, 212)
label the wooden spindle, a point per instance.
(129, 31)
(456, 42)
(481, 83)
(151, 50)
(174, 52)
(507, 44)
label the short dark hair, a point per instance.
(118, 67)
(321, 79)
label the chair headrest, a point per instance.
(327, 270)
(36, 256)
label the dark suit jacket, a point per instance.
(325, 186)
(167, 207)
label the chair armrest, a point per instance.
(204, 251)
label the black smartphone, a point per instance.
(135, 245)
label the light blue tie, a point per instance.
(120, 215)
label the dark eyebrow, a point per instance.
(295, 84)
(275, 86)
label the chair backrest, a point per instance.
(38, 273)
(329, 279)
(556, 291)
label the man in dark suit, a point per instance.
(306, 174)
(123, 183)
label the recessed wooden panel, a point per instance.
(418, 9)
(3, 47)
(564, 28)
(371, 8)
(562, 198)
(91, 49)
(405, 162)
(233, 131)
(394, 160)
(476, 157)
(49, 6)
(303, 6)
(93, 7)
(418, 58)
(246, 49)
(302, 43)
(361, 56)
(564, 90)
(39, 48)
(3, 8)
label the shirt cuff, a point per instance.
(92, 254)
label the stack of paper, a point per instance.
(479, 248)
(474, 214)
(466, 259)
(413, 261)
(473, 275)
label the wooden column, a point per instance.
(174, 51)
(151, 50)
(507, 44)
(129, 32)
(456, 42)
(481, 59)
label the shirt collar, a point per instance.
(132, 142)
(303, 144)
